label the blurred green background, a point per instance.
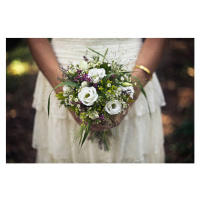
(176, 75)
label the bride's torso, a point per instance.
(123, 50)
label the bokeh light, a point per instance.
(190, 71)
(17, 67)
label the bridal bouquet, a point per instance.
(96, 90)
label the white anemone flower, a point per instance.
(97, 74)
(88, 95)
(113, 107)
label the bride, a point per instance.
(140, 137)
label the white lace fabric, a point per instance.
(139, 137)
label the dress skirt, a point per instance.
(139, 137)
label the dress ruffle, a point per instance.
(137, 140)
(139, 137)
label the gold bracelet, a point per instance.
(144, 69)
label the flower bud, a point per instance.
(83, 65)
(126, 84)
(71, 72)
(84, 84)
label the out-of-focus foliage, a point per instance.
(21, 73)
(180, 144)
(18, 58)
(176, 74)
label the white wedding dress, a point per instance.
(139, 138)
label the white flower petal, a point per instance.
(88, 95)
(96, 74)
(83, 65)
(113, 107)
(84, 84)
(129, 90)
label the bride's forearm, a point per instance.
(151, 53)
(46, 60)
(149, 57)
(47, 63)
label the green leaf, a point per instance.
(105, 54)
(99, 53)
(60, 94)
(81, 133)
(86, 132)
(107, 77)
(69, 83)
(85, 136)
(126, 84)
(130, 100)
(61, 98)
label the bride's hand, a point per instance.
(115, 121)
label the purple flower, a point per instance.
(63, 69)
(79, 71)
(85, 58)
(101, 117)
(86, 78)
(113, 76)
(95, 85)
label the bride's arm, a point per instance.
(45, 58)
(46, 61)
(149, 57)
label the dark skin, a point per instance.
(45, 58)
